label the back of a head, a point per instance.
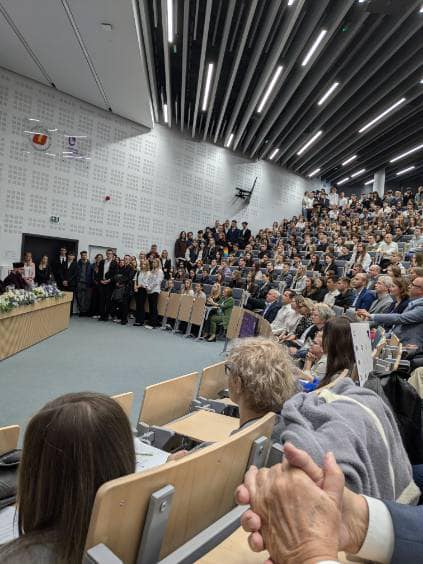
(266, 373)
(338, 346)
(72, 446)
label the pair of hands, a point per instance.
(300, 512)
(363, 313)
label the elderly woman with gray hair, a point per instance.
(320, 314)
(352, 422)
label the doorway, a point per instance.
(94, 250)
(40, 245)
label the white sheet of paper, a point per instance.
(8, 524)
(148, 456)
(362, 349)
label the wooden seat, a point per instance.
(125, 401)
(168, 400)
(9, 437)
(162, 303)
(185, 307)
(232, 331)
(173, 306)
(198, 311)
(213, 381)
(264, 328)
(204, 426)
(204, 484)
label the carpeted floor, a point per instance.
(95, 356)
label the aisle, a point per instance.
(96, 356)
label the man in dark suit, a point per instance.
(15, 278)
(373, 529)
(259, 302)
(233, 234)
(70, 276)
(245, 235)
(107, 271)
(346, 295)
(363, 297)
(58, 267)
(272, 305)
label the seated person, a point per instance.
(315, 363)
(346, 295)
(363, 297)
(286, 318)
(15, 278)
(223, 314)
(303, 306)
(272, 305)
(383, 299)
(320, 314)
(259, 302)
(257, 392)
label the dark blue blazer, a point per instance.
(408, 527)
(365, 299)
(272, 311)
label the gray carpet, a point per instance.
(96, 356)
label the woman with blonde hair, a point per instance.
(155, 279)
(186, 289)
(140, 291)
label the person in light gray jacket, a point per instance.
(383, 299)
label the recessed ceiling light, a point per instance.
(290, 2)
(207, 87)
(328, 93)
(270, 88)
(314, 172)
(170, 20)
(314, 47)
(229, 141)
(358, 172)
(369, 182)
(382, 115)
(402, 155)
(349, 160)
(404, 170)
(274, 153)
(106, 27)
(165, 113)
(309, 142)
(343, 181)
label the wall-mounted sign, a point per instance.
(39, 137)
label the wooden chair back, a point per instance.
(9, 438)
(204, 484)
(168, 400)
(213, 380)
(185, 307)
(198, 311)
(162, 303)
(125, 401)
(264, 329)
(173, 306)
(232, 331)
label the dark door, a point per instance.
(39, 245)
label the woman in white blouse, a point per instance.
(154, 282)
(140, 290)
(361, 256)
(299, 280)
(29, 270)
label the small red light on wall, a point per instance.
(107, 199)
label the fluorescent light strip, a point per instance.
(170, 20)
(314, 172)
(349, 160)
(380, 116)
(207, 88)
(312, 140)
(274, 153)
(314, 47)
(343, 181)
(402, 155)
(165, 113)
(328, 93)
(404, 170)
(369, 182)
(290, 2)
(231, 136)
(270, 88)
(358, 172)
(421, 10)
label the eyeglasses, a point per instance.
(415, 285)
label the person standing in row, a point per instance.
(155, 279)
(108, 269)
(140, 290)
(70, 276)
(58, 267)
(84, 284)
(43, 274)
(95, 280)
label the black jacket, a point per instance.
(345, 300)
(111, 273)
(271, 313)
(70, 275)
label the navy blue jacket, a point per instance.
(272, 311)
(365, 299)
(407, 521)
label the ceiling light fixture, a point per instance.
(207, 88)
(404, 170)
(170, 21)
(421, 9)
(165, 113)
(309, 142)
(314, 172)
(290, 2)
(382, 115)
(270, 88)
(343, 180)
(369, 182)
(273, 155)
(328, 93)
(358, 172)
(349, 160)
(402, 155)
(229, 141)
(314, 47)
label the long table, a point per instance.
(24, 326)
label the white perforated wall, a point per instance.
(159, 182)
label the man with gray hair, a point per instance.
(272, 305)
(374, 273)
(383, 299)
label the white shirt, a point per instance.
(329, 298)
(155, 278)
(333, 199)
(343, 202)
(387, 249)
(106, 268)
(378, 546)
(286, 320)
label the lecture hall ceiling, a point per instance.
(307, 84)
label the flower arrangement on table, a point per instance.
(15, 298)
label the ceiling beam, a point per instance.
(184, 61)
(202, 61)
(166, 63)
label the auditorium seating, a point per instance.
(9, 437)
